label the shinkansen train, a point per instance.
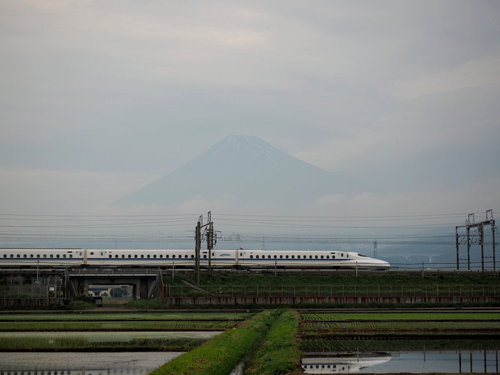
(242, 259)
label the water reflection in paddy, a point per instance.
(95, 363)
(447, 361)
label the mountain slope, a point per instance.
(244, 168)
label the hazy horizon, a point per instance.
(101, 99)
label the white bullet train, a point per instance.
(343, 364)
(244, 259)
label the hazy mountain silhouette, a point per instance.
(244, 168)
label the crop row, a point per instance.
(400, 325)
(72, 343)
(124, 316)
(117, 325)
(424, 316)
(347, 345)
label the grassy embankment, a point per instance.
(272, 332)
(222, 353)
(279, 352)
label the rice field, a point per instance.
(112, 331)
(406, 316)
(124, 316)
(399, 330)
(177, 325)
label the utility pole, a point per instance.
(197, 247)
(211, 240)
(470, 224)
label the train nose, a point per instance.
(382, 264)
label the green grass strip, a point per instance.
(221, 354)
(279, 352)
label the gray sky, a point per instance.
(102, 97)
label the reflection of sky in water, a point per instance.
(395, 362)
(90, 363)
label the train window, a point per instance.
(293, 256)
(24, 256)
(281, 256)
(64, 256)
(51, 255)
(45, 255)
(213, 254)
(91, 253)
(186, 256)
(341, 255)
(322, 257)
(110, 256)
(328, 257)
(31, 255)
(310, 256)
(275, 256)
(251, 256)
(286, 256)
(19, 255)
(192, 256)
(5, 255)
(71, 255)
(142, 255)
(205, 256)
(161, 255)
(257, 256)
(298, 256)
(167, 256)
(154, 255)
(316, 257)
(102, 254)
(135, 255)
(269, 257)
(57, 255)
(148, 256)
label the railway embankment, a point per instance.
(335, 289)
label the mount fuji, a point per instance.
(244, 169)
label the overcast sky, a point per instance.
(100, 97)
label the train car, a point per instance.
(42, 257)
(223, 259)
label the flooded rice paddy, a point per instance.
(406, 361)
(95, 363)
